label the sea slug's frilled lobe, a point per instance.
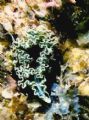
(31, 59)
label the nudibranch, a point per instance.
(31, 65)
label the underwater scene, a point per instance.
(44, 59)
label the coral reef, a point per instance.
(44, 59)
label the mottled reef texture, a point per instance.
(44, 59)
